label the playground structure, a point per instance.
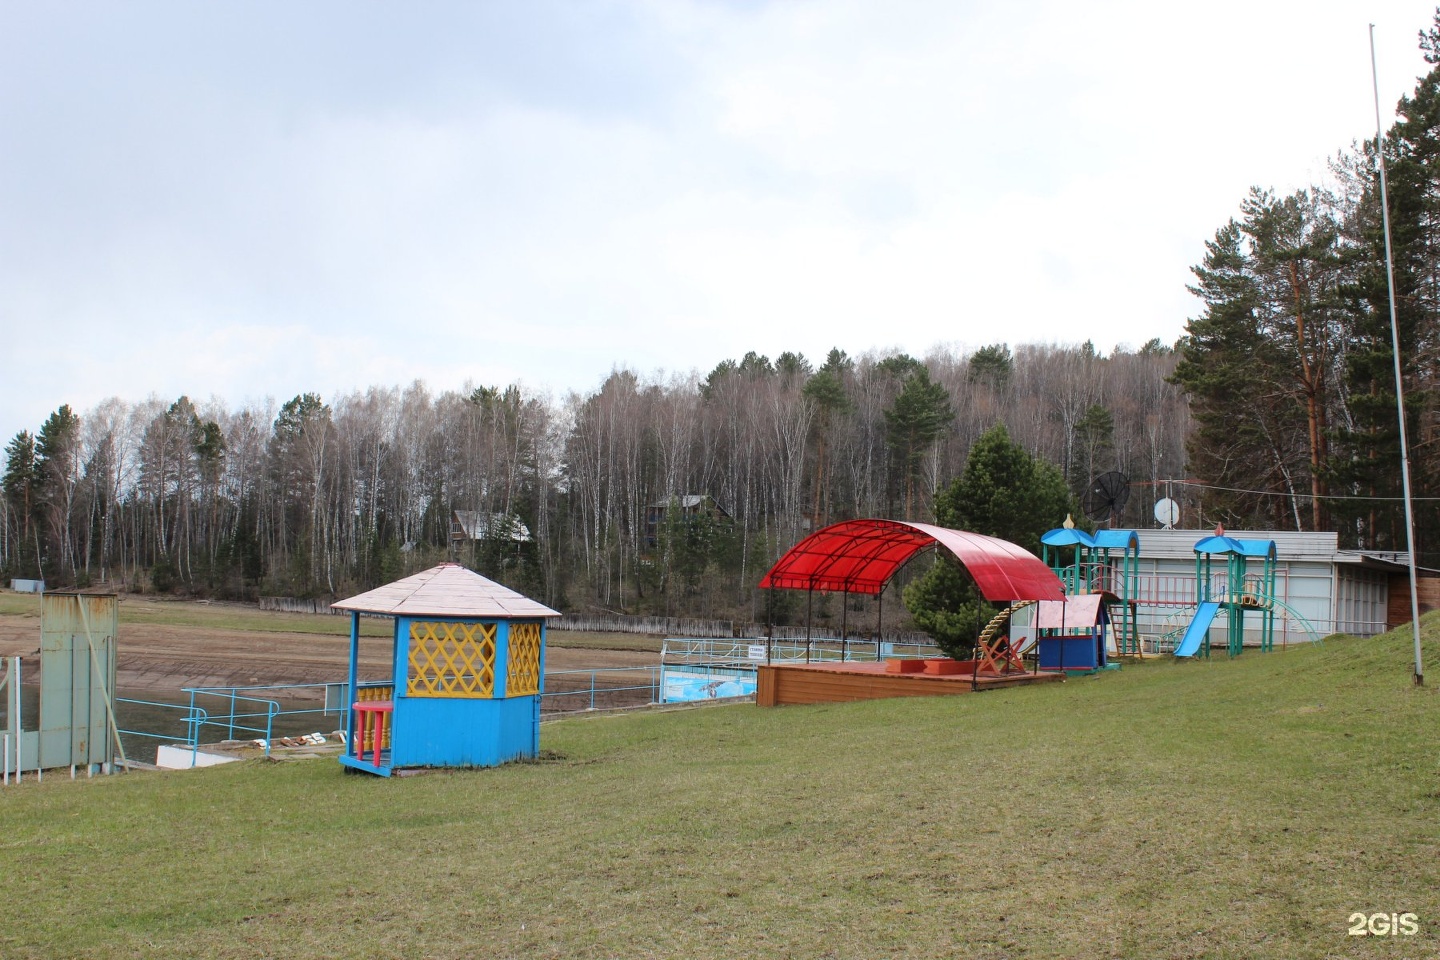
(861, 556)
(468, 671)
(1107, 563)
(1242, 593)
(76, 716)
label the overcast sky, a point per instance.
(257, 199)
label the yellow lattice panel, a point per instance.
(522, 676)
(449, 659)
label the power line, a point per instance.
(1292, 496)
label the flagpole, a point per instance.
(1399, 389)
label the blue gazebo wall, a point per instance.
(463, 731)
(443, 732)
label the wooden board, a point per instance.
(786, 684)
(1427, 593)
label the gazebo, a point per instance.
(862, 556)
(468, 669)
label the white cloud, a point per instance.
(542, 193)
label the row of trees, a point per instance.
(317, 498)
(1290, 367)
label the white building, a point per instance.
(1316, 585)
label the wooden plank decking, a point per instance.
(796, 683)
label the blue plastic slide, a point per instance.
(1198, 630)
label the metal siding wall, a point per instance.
(1361, 601)
(76, 682)
(1308, 590)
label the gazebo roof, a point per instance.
(859, 556)
(448, 590)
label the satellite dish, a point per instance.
(1106, 496)
(1167, 512)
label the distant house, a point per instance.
(470, 525)
(690, 505)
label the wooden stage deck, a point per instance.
(794, 683)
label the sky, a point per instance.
(242, 201)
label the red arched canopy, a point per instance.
(859, 556)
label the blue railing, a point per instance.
(244, 713)
(194, 718)
(613, 684)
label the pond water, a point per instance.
(147, 720)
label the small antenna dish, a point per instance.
(1106, 496)
(1167, 512)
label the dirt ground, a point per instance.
(158, 659)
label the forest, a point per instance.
(582, 501)
(670, 493)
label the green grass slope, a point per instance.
(1225, 809)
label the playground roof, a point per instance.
(1116, 539)
(859, 556)
(1245, 548)
(1105, 539)
(1066, 537)
(448, 590)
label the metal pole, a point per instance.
(809, 617)
(880, 621)
(1399, 387)
(769, 623)
(17, 719)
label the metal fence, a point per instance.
(262, 712)
(715, 651)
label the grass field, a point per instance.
(250, 618)
(1212, 809)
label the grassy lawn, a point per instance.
(247, 617)
(1225, 809)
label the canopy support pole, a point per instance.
(809, 616)
(879, 620)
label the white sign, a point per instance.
(756, 651)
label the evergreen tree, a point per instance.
(914, 424)
(1258, 363)
(1003, 492)
(21, 486)
(57, 468)
(1369, 436)
(991, 366)
(826, 391)
(1094, 449)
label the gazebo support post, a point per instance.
(844, 611)
(879, 620)
(351, 693)
(809, 616)
(769, 623)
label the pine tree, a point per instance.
(913, 424)
(826, 391)
(57, 468)
(21, 485)
(1370, 438)
(1003, 492)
